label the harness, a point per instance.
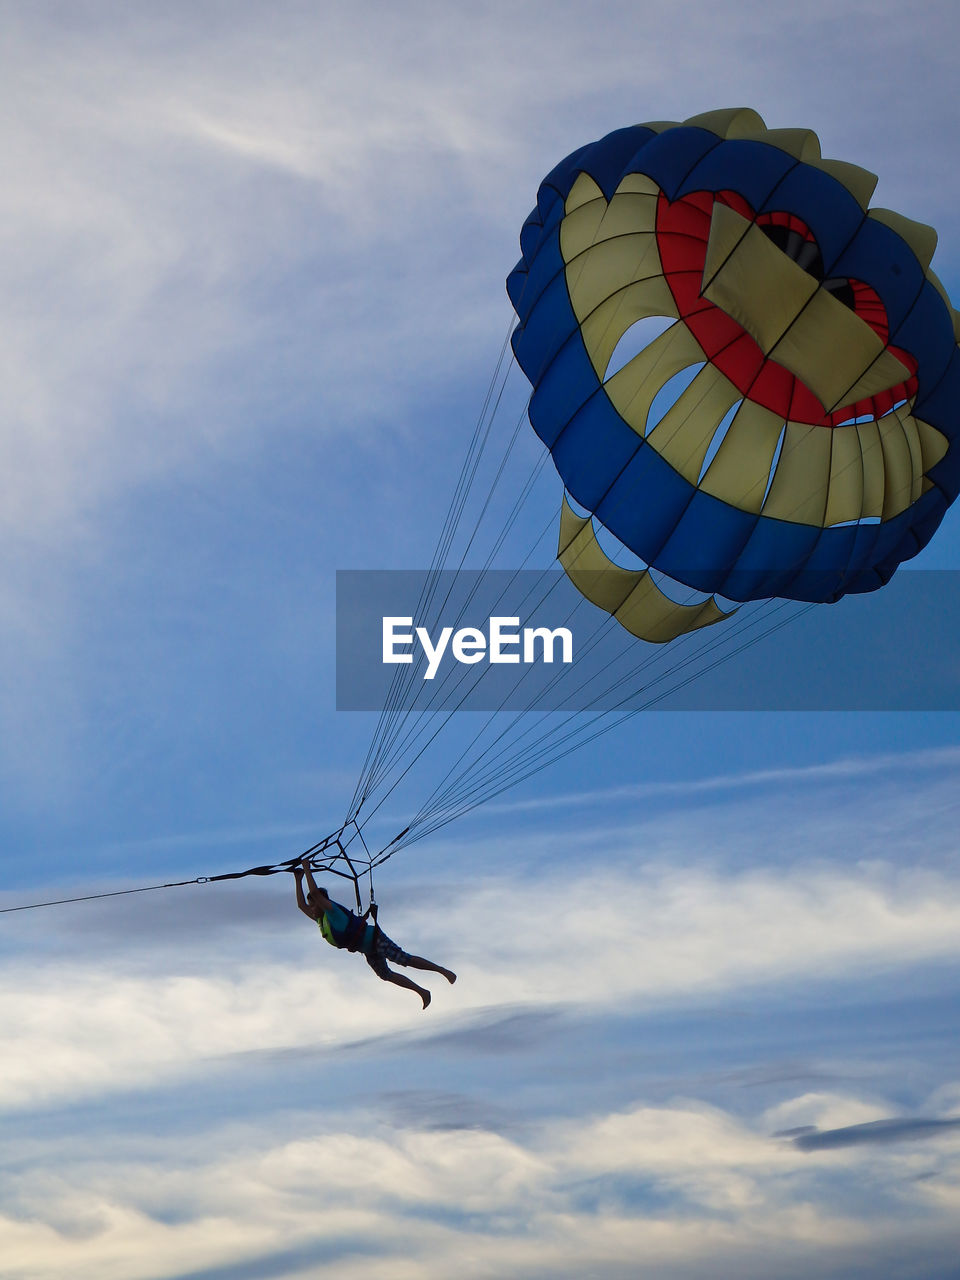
(354, 933)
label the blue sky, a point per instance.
(253, 293)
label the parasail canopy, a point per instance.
(792, 430)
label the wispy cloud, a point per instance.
(851, 768)
(902, 1129)
(197, 201)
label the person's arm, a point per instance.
(320, 900)
(304, 868)
(301, 901)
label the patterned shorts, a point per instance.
(385, 949)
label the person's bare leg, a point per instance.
(401, 980)
(418, 962)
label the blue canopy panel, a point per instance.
(825, 205)
(880, 257)
(754, 169)
(606, 161)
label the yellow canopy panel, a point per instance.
(629, 595)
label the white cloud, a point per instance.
(607, 942)
(313, 1174)
(687, 1188)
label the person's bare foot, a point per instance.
(425, 997)
(450, 976)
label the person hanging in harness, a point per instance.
(350, 932)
